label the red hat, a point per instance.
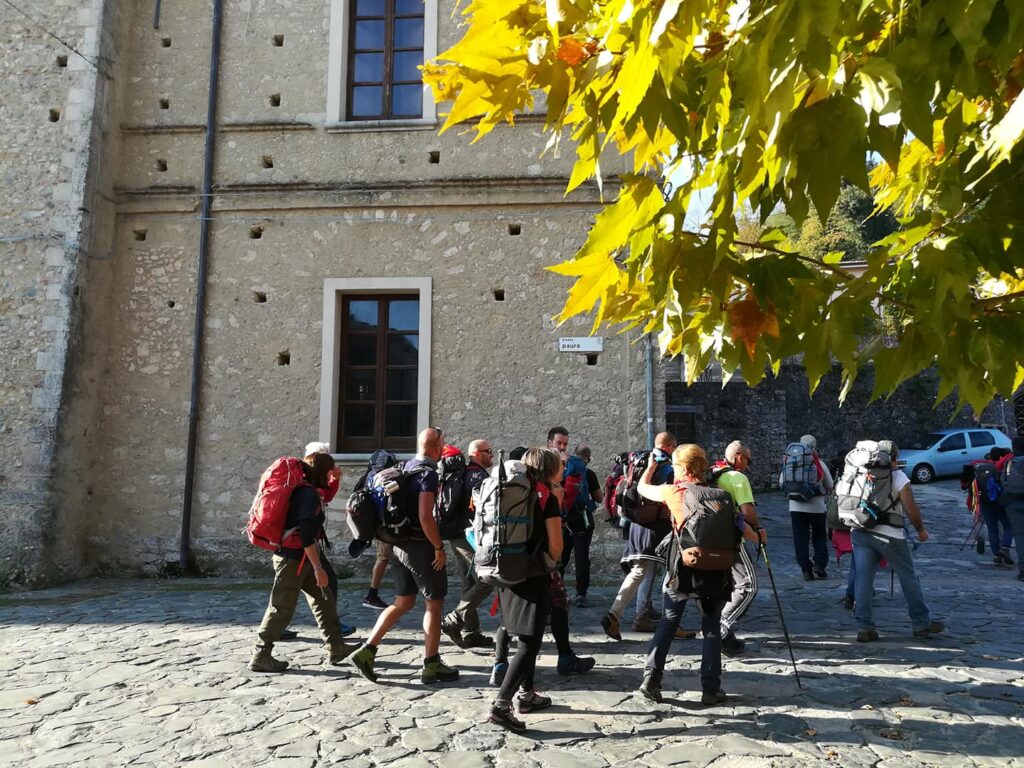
(450, 450)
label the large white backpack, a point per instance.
(506, 504)
(800, 473)
(864, 494)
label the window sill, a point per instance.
(353, 458)
(367, 126)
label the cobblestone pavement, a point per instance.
(111, 673)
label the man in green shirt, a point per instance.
(730, 476)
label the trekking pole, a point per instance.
(782, 619)
(974, 532)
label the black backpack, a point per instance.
(452, 507)
(633, 507)
(987, 480)
(1013, 480)
(710, 534)
(398, 517)
(363, 506)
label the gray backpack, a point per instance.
(864, 494)
(800, 473)
(506, 503)
(1013, 480)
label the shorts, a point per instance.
(413, 571)
(383, 551)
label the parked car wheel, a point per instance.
(922, 473)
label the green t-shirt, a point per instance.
(738, 486)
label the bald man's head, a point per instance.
(430, 443)
(665, 441)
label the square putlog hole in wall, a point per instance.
(165, 103)
(284, 358)
(259, 297)
(433, 157)
(277, 40)
(268, 161)
(140, 235)
(165, 42)
(592, 358)
(275, 99)
(499, 294)
(515, 229)
(255, 232)
(62, 61)
(54, 115)
(161, 165)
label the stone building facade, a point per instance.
(319, 217)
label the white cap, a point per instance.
(810, 442)
(317, 447)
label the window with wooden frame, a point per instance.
(385, 50)
(379, 355)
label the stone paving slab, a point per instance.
(112, 673)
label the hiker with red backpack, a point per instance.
(287, 518)
(983, 483)
(418, 560)
(807, 481)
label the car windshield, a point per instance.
(923, 443)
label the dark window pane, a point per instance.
(402, 384)
(407, 100)
(370, 7)
(360, 385)
(979, 439)
(404, 315)
(362, 315)
(408, 33)
(369, 68)
(408, 7)
(366, 101)
(362, 349)
(403, 350)
(359, 420)
(369, 35)
(404, 65)
(399, 420)
(954, 442)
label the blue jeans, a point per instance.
(643, 593)
(851, 582)
(1015, 512)
(809, 528)
(994, 515)
(868, 549)
(711, 653)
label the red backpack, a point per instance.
(269, 509)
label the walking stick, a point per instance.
(974, 532)
(785, 632)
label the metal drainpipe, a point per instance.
(184, 554)
(649, 374)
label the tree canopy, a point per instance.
(769, 105)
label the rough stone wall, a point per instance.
(780, 410)
(52, 123)
(338, 202)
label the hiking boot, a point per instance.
(452, 627)
(732, 645)
(374, 602)
(610, 625)
(498, 673)
(820, 573)
(580, 601)
(652, 614)
(339, 651)
(808, 575)
(288, 634)
(710, 698)
(436, 671)
(1006, 558)
(685, 634)
(651, 687)
(363, 661)
(848, 603)
(574, 665)
(531, 701)
(643, 624)
(867, 636)
(477, 640)
(932, 629)
(503, 716)
(263, 661)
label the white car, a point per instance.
(945, 451)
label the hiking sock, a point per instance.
(372, 592)
(560, 631)
(430, 659)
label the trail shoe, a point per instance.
(652, 614)
(808, 575)
(452, 626)
(610, 624)
(574, 665)
(848, 603)
(498, 673)
(436, 671)
(288, 634)
(867, 636)
(820, 573)
(339, 651)
(643, 624)
(374, 602)
(477, 640)
(1007, 560)
(346, 629)
(502, 715)
(531, 701)
(651, 687)
(363, 661)
(710, 698)
(580, 601)
(263, 661)
(732, 645)
(932, 629)
(684, 634)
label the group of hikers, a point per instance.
(995, 497)
(514, 523)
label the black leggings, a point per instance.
(559, 630)
(521, 668)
